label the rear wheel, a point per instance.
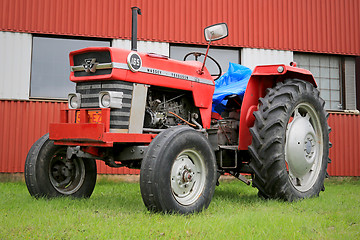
(48, 172)
(290, 144)
(178, 172)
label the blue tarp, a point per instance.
(234, 81)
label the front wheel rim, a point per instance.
(304, 147)
(66, 175)
(188, 177)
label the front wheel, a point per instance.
(48, 172)
(290, 144)
(178, 172)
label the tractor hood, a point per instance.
(105, 63)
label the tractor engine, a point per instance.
(169, 108)
(164, 107)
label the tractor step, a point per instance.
(228, 154)
(231, 147)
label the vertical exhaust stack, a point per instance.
(135, 12)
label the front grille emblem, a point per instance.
(90, 65)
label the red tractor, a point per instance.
(149, 112)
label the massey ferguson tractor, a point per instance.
(146, 111)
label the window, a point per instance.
(222, 55)
(50, 69)
(327, 73)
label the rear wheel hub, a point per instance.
(300, 146)
(303, 147)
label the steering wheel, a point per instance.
(198, 54)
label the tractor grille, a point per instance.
(119, 118)
(99, 56)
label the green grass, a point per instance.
(115, 211)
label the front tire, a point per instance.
(178, 172)
(48, 173)
(290, 144)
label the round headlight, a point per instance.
(105, 100)
(74, 100)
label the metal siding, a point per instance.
(144, 46)
(326, 26)
(15, 64)
(26, 122)
(252, 57)
(345, 137)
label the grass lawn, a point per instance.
(116, 211)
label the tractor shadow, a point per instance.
(124, 197)
(127, 196)
(236, 192)
(117, 195)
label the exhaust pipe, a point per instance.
(135, 12)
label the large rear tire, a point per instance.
(48, 173)
(178, 172)
(290, 143)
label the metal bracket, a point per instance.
(241, 177)
(111, 163)
(131, 153)
(77, 152)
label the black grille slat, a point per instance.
(119, 118)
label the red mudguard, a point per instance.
(264, 77)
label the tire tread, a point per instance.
(268, 162)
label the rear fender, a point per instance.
(264, 77)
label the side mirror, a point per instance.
(213, 33)
(216, 32)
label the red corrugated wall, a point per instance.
(326, 26)
(345, 137)
(25, 121)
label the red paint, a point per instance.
(325, 26)
(202, 93)
(255, 89)
(23, 123)
(264, 77)
(159, 73)
(77, 132)
(287, 72)
(345, 137)
(27, 121)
